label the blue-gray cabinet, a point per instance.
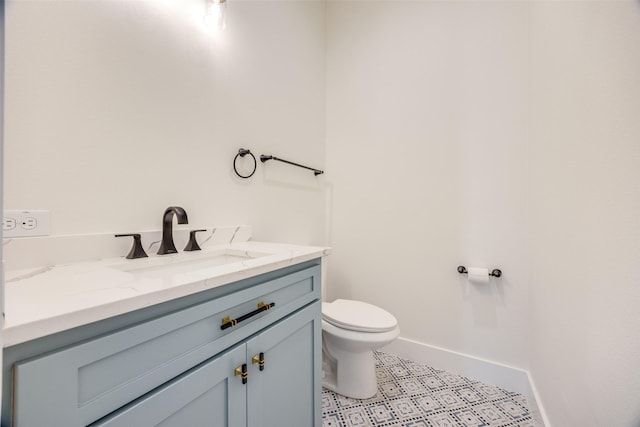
(180, 367)
(209, 395)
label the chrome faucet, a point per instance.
(167, 246)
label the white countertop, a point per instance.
(50, 299)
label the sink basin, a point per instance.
(186, 263)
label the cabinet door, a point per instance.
(208, 395)
(287, 392)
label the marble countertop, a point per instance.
(50, 299)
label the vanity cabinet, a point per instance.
(231, 390)
(184, 367)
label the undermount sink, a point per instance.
(186, 262)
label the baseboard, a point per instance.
(540, 417)
(504, 376)
(507, 377)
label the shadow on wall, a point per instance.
(291, 182)
(337, 285)
(485, 299)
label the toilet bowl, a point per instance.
(351, 330)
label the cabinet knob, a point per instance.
(259, 360)
(241, 371)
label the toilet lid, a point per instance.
(358, 316)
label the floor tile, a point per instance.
(414, 395)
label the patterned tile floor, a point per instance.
(413, 395)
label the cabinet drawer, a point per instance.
(80, 384)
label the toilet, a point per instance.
(351, 330)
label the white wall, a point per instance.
(426, 143)
(499, 134)
(585, 210)
(480, 133)
(117, 109)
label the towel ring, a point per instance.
(241, 153)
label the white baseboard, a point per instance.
(504, 376)
(540, 417)
(507, 377)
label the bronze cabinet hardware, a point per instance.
(228, 322)
(258, 359)
(241, 371)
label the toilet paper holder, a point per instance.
(495, 272)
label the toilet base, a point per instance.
(355, 376)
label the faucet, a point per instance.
(167, 246)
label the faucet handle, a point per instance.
(192, 245)
(137, 251)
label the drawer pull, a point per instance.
(259, 359)
(228, 322)
(242, 372)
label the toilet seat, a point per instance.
(358, 316)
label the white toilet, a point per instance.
(351, 330)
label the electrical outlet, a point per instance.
(17, 223)
(8, 224)
(29, 223)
